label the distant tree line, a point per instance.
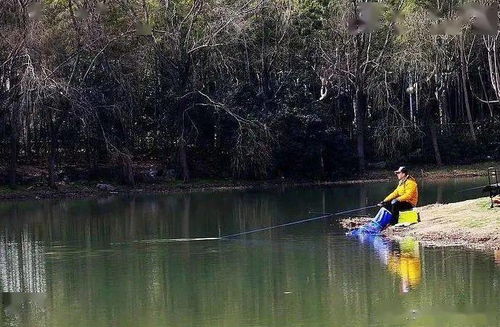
(245, 88)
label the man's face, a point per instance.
(400, 175)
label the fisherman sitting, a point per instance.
(404, 197)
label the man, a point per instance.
(404, 197)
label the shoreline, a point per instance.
(446, 225)
(86, 190)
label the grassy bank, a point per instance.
(81, 189)
(470, 223)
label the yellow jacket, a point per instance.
(407, 191)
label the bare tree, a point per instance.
(354, 58)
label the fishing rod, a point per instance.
(324, 215)
(344, 212)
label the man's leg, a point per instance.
(396, 208)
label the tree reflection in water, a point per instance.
(23, 282)
(22, 265)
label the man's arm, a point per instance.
(391, 196)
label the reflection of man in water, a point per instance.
(406, 264)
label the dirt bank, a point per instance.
(469, 223)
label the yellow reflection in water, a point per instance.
(406, 264)
(401, 258)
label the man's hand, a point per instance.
(394, 201)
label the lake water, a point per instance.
(109, 262)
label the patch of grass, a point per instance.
(473, 223)
(484, 203)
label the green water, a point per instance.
(107, 262)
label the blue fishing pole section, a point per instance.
(325, 215)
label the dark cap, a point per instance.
(402, 169)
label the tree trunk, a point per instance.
(183, 160)
(357, 106)
(127, 169)
(440, 93)
(13, 147)
(493, 68)
(466, 93)
(27, 145)
(485, 93)
(435, 145)
(321, 163)
(415, 114)
(52, 164)
(52, 152)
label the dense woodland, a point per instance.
(244, 88)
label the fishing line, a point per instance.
(277, 226)
(322, 216)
